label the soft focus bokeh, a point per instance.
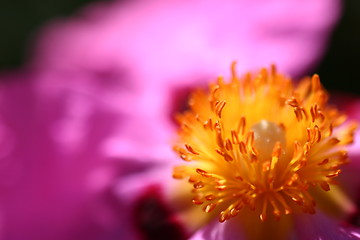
(19, 20)
(88, 90)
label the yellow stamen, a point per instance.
(261, 143)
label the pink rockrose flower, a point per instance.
(86, 126)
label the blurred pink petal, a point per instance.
(52, 190)
(319, 226)
(216, 231)
(55, 167)
(171, 41)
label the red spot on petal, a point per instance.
(154, 219)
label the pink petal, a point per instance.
(319, 226)
(170, 42)
(54, 183)
(229, 230)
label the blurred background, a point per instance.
(20, 19)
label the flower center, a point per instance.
(260, 143)
(266, 135)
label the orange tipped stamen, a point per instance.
(261, 143)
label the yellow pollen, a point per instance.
(259, 142)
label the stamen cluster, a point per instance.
(261, 143)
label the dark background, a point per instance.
(19, 19)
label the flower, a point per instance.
(333, 208)
(257, 146)
(96, 90)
